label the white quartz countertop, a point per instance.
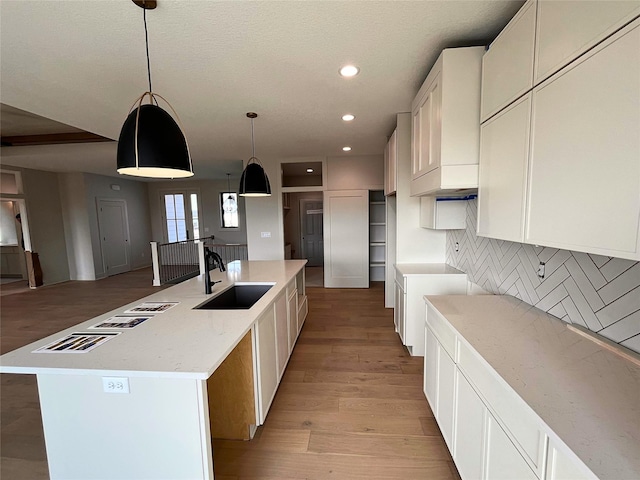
(588, 395)
(427, 269)
(180, 342)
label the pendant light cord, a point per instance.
(146, 39)
(253, 143)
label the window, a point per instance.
(176, 221)
(194, 215)
(181, 216)
(229, 209)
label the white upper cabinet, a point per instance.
(445, 124)
(391, 165)
(504, 151)
(574, 136)
(584, 179)
(507, 67)
(567, 29)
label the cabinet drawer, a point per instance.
(445, 334)
(517, 418)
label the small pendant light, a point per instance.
(254, 181)
(151, 143)
(229, 205)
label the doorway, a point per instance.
(12, 243)
(113, 224)
(303, 233)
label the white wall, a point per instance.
(76, 226)
(209, 193)
(365, 172)
(137, 198)
(264, 215)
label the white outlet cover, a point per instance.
(265, 234)
(115, 384)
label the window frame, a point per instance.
(221, 210)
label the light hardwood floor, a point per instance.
(350, 405)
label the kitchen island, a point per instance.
(138, 405)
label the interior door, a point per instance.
(346, 239)
(311, 231)
(114, 235)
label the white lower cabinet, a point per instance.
(561, 467)
(282, 333)
(503, 461)
(292, 309)
(275, 335)
(413, 282)
(267, 362)
(491, 432)
(468, 449)
(399, 311)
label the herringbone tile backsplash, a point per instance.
(597, 292)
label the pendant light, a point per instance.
(229, 205)
(254, 181)
(151, 143)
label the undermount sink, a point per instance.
(237, 297)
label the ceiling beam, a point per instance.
(52, 139)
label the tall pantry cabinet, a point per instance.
(406, 241)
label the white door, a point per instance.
(311, 230)
(346, 239)
(114, 235)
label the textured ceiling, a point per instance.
(83, 64)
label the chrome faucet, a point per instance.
(211, 260)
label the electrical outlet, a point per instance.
(265, 234)
(115, 384)
(541, 270)
(457, 247)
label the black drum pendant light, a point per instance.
(151, 143)
(254, 181)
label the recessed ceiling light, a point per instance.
(309, 170)
(349, 71)
(348, 117)
(346, 149)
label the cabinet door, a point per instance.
(446, 395)
(390, 165)
(267, 361)
(504, 150)
(292, 312)
(282, 333)
(507, 67)
(503, 461)
(426, 131)
(585, 161)
(399, 312)
(430, 381)
(560, 466)
(469, 431)
(566, 29)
